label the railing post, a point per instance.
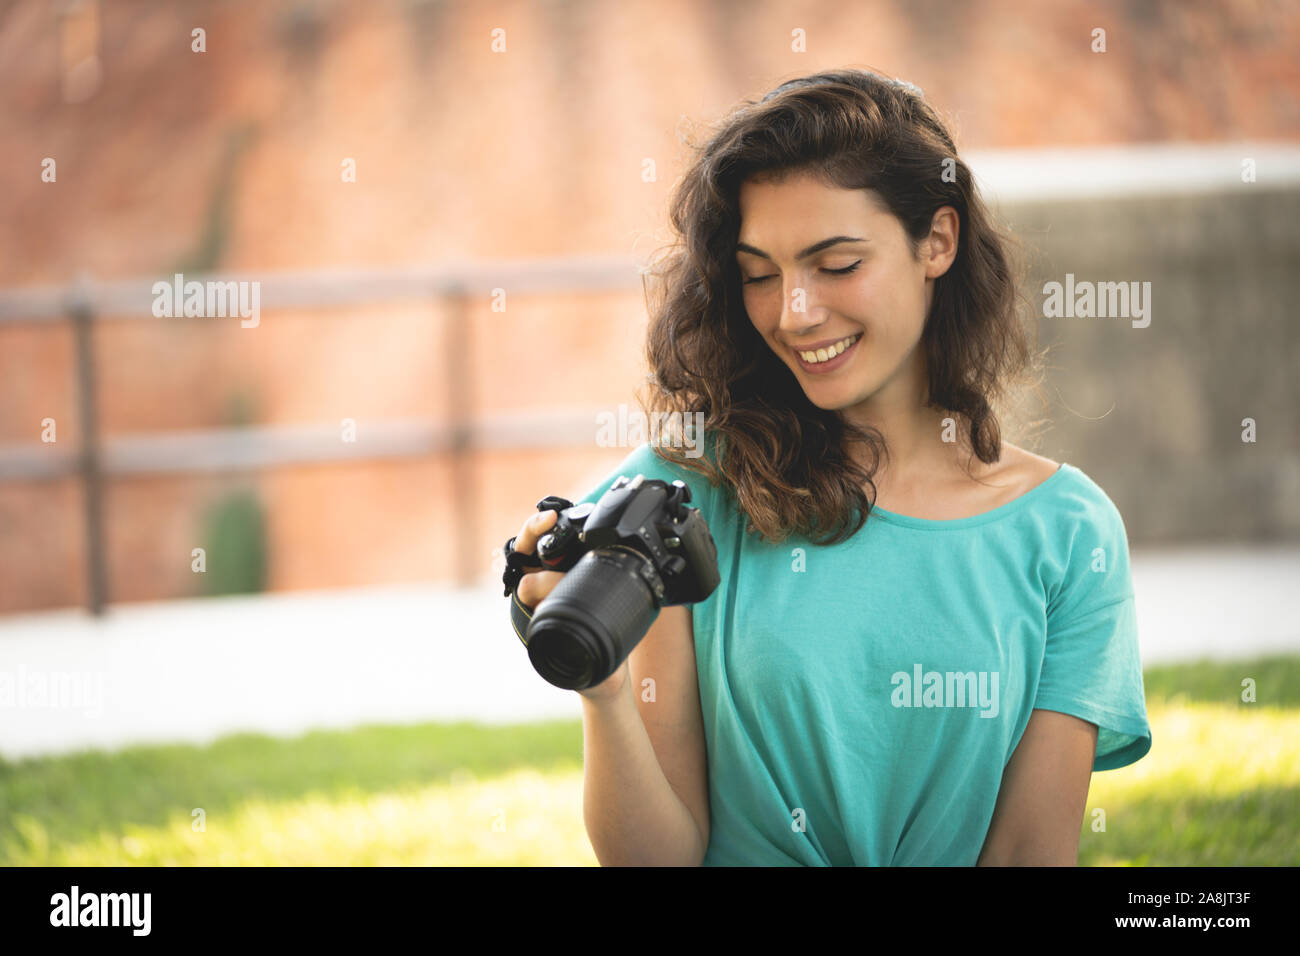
(458, 364)
(81, 314)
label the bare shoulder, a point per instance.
(1025, 470)
(1015, 473)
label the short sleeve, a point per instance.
(645, 461)
(1092, 667)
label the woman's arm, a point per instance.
(1044, 793)
(646, 791)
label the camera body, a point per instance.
(636, 550)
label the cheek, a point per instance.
(763, 309)
(864, 301)
(891, 310)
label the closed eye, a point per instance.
(836, 272)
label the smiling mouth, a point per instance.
(827, 355)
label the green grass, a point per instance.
(1221, 786)
(430, 794)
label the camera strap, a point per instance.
(520, 613)
(515, 563)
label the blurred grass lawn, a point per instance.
(1221, 787)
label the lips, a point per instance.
(831, 346)
(829, 365)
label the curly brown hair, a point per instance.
(785, 460)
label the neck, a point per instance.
(913, 433)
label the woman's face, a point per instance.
(804, 291)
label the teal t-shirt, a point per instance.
(861, 700)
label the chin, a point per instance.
(839, 399)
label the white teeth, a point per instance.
(822, 355)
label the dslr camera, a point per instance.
(627, 555)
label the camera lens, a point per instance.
(564, 653)
(589, 624)
(569, 659)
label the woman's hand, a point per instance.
(537, 583)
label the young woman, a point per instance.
(924, 641)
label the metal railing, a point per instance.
(451, 288)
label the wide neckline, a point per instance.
(995, 514)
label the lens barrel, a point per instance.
(593, 619)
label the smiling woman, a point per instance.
(935, 685)
(874, 310)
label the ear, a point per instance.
(940, 247)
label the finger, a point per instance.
(532, 529)
(536, 586)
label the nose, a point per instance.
(800, 314)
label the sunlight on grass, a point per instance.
(523, 818)
(1220, 787)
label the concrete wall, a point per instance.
(1154, 414)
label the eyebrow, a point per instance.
(812, 250)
